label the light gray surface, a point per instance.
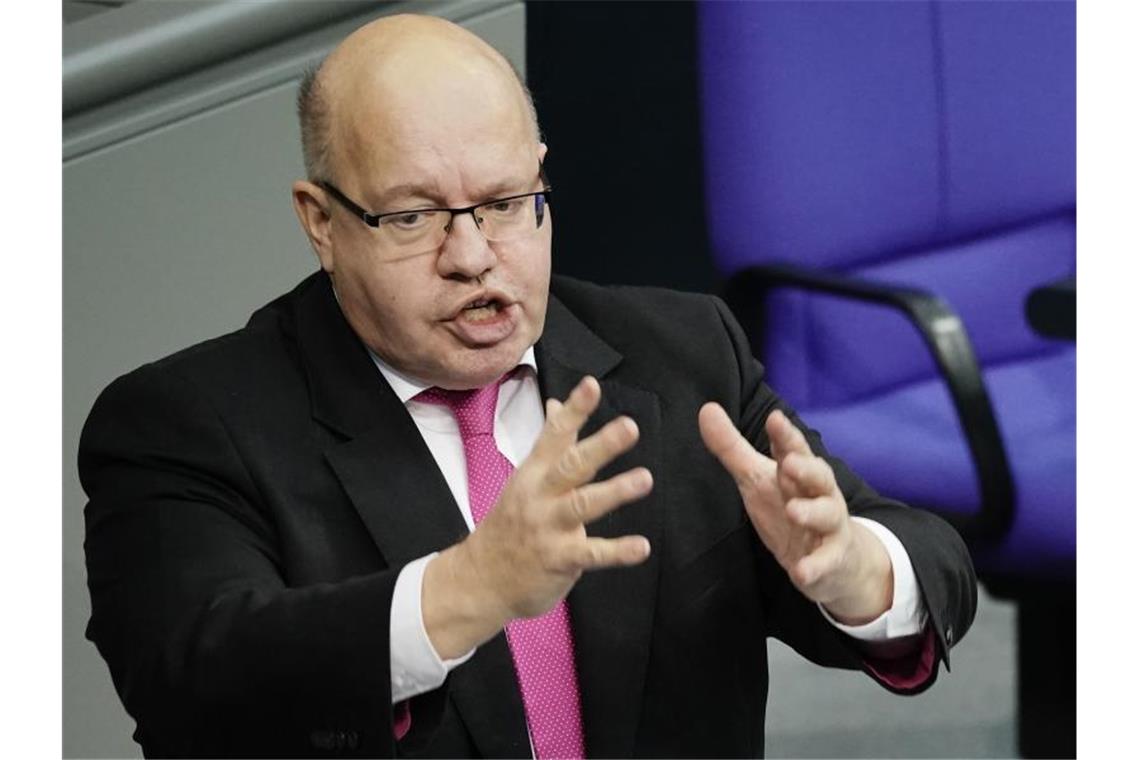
(198, 82)
(77, 10)
(147, 42)
(969, 712)
(173, 233)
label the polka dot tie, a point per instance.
(542, 647)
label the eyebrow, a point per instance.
(407, 190)
(430, 193)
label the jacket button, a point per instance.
(949, 634)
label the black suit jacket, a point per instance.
(253, 499)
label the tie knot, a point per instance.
(474, 409)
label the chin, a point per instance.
(480, 367)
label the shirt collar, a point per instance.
(407, 387)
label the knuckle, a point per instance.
(827, 510)
(556, 425)
(572, 463)
(801, 511)
(754, 478)
(579, 504)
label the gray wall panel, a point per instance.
(175, 229)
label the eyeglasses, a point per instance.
(421, 229)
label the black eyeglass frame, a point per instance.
(373, 220)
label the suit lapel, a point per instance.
(384, 466)
(382, 461)
(611, 611)
(391, 478)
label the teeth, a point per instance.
(480, 313)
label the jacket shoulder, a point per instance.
(638, 308)
(225, 371)
(658, 326)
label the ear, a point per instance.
(311, 205)
(541, 152)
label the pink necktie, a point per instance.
(542, 647)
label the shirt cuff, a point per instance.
(907, 615)
(415, 665)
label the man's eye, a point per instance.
(412, 220)
(505, 208)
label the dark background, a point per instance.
(615, 84)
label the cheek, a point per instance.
(396, 304)
(529, 265)
(396, 285)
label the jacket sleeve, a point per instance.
(942, 564)
(211, 650)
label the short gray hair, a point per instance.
(313, 113)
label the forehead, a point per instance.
(449, 119)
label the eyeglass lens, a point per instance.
(498, 220)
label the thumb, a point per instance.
(745, 464)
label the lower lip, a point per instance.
(486, 332)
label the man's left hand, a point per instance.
(801, 515)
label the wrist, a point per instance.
(460, 609)
(872, 591)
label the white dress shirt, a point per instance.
(519, 416)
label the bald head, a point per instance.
(403, 76)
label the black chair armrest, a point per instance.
(1051, 310)
(946, 338)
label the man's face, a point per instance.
(462, 314)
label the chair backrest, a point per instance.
(928, 144)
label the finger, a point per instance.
(815, 570)
(596, 553)
(748, 467)
(586, 504)
(579, 463)
(822, 515)
(784, 436)
(565, 419)
(585, 395)
(806, 476)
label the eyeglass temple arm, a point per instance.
(371, 220)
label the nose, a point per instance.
(465, 251)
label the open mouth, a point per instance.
(485, 319)
(481, 310)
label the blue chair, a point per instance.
(886, 185)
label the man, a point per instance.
(433, 502)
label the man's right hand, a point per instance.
(526, 555)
